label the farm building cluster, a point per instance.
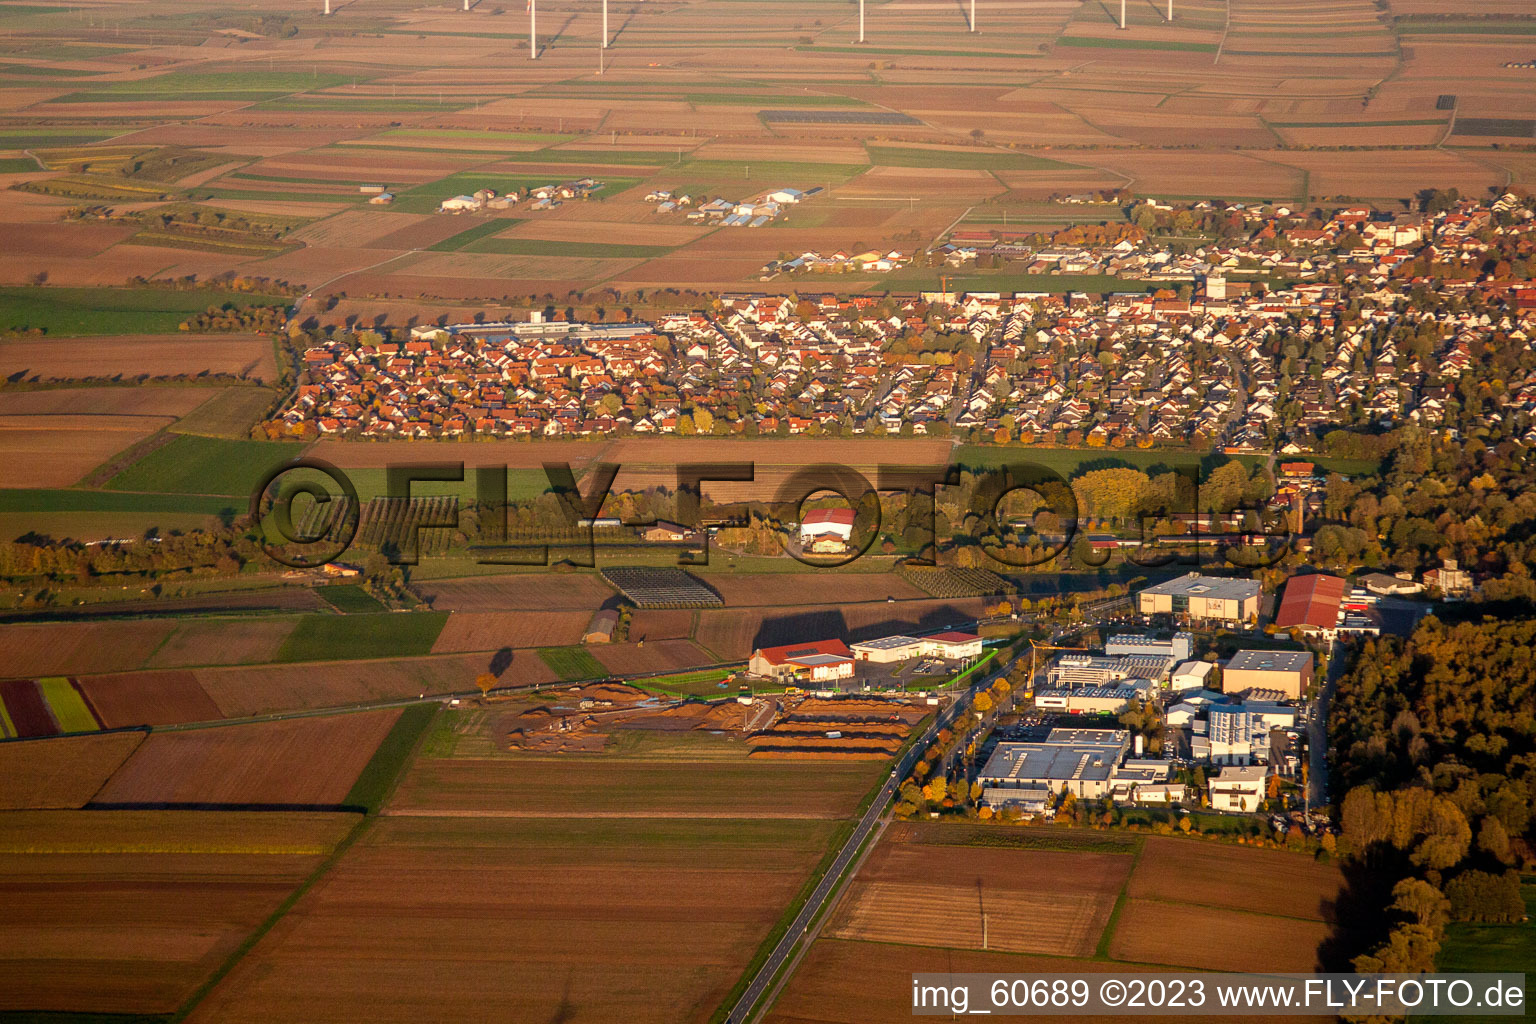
(726, 213)
(1241, 367)
(539, 197)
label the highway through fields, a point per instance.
(788, 948)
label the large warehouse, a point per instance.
(1203, 599)
(1078, 761)
(1311, 604)
(1287, 673)
(952, 646)
(816, 662)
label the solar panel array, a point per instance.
(649, 587)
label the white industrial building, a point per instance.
(1238, 789)
(1239, 733)
(1073, 670)
(1093, 700)
(1191, 675)
(952, 646)
(1203, 599)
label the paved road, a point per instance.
(1317, 730)
(785, 949)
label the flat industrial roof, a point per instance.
(1054, 761)
(1270, 661)
(886, 643)
(1221, 588)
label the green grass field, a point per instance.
(230, 413)
(482, 230)
(191, 464)
(68, 707)
(68, 500)
(378, 776)
(703, 683)
(1071, 462)
(352, 637)
(66, 312)
(350, 598)
(572, 662)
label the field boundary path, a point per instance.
(789, 946)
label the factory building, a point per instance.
(1285, 673)
(1031, 775)
(1203, 599)
(1180, 647)
(952, 646)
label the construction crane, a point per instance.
(1034, 647)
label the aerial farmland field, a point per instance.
(1056, 901)
(469, 816)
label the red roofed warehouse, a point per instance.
(1311, 604)
(816, 661)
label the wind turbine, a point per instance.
(1122, 13)
(973, 15)
(533, 30)
(1170, 10)
(327, 8)
(605, 20)
(861, 21)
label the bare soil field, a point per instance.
(653, 462)
(662, 948)
(1363, 172)
(113, 401)
(492, 631)
(1215, 939)
(1236, 877)
(56, 451)
(149, 698)
(661, 624)
(655, 656)
(61, 772)
(222, 642)
(843, 982)
(798, 589)
(512, 454)
(79, 648)
(147, 905)
(1035, 901)
(300, 763)
(259, 689)
(241, 355)
(556, 591)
